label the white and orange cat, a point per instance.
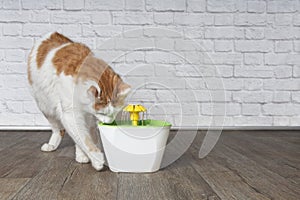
(74, 90)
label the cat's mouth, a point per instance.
(104, 118)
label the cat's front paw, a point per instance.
(98, 162)
(48, 147)
(82, 159)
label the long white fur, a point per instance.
(67, 105)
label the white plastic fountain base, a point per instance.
(135, 149)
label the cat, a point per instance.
(74, 90)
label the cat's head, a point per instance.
(108, 100)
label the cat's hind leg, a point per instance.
(56, 137)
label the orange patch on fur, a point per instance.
(28, 68)
(70, 58)
(62, 133)
(54, 41)
(91, 145)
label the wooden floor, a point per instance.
(243, 165)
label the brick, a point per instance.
(223, 19)
(15, 43)
(253, 84)
(72, 30)
(293, 59)
(283, 71)
(224, 33)
(100, 5)
(296, 97)
(135, 56)
(252, 97)
(223, 45)
(161, 32)
(250, 19)
(253, 72)
(283, 19)
(281, 109)
(167, 5)
(133, 31)
(282, 85)
(195, 83)
(31, 107)
(40, 120)
(297, 45)
(101, 18)
(12, 29)
(254, 33)
(194, 32)
(132, 18)
(275, 59)
(101, 30)
(253, 58)
(163, 83)
(253, 46)
(16, 94)
(225, 71)
(251, 109)
(11, 5)
(134, 5)
(228, 109)
(14, 55)
(164, 18)
(223, 58)
(162, 57)
(296, 71)
(196, 5)
(70, 18)
(283, 46)
(296, 20)
(35, 29)
(13, 68)
(256, 6)
(193, 19)
(279, 33)
(40, 17)
(14, 106)
(221, 6)
(164, 43)
(281, 121)
(123, 44)
(14, 16)
(252, 121)
(281, 97)
(282, 6)
(39, 5)
(294, 121)
(73, 4)
(15, 119)
(191, 45)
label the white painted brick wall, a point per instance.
(254, 45)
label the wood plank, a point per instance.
(10, 186)
(225, 182)
(48, 183)
(7, 139)
(258, 177)
(178, 181)
(87, 183)
(268, 157)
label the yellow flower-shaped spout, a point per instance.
(134, 111)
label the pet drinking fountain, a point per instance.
(136, 144)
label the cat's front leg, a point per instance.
(80, 134)
(80, 156)
(56, 137)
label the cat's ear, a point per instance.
(123, 89)
(92, 92)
